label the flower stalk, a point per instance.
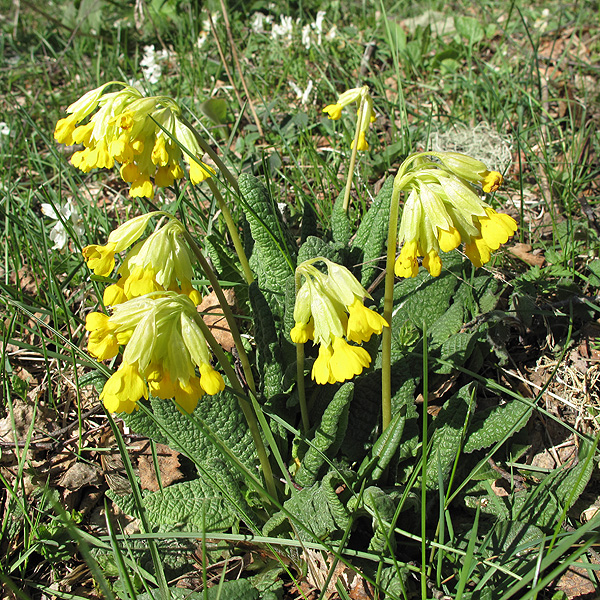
(227, 312)
(244, 405)
(352, 164)
(233, 231)
(388, 306)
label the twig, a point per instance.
(510, 477)
(51, 440)
(239, 69)
(213, 30)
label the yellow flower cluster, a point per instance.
(144, 134)
(443, 209)
(363, 99)
(330, 310)
(163, 346)
(160, 262)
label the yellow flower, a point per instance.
(362, 98)
(334, 111)
(101, 259)
(123, 389)
(363, 322)
(163, 347)
(145, 134)
(443, 209)
(160, 262)
(330, 310)
(102, 343)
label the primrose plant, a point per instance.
(173, 375)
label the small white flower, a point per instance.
(4, 129)
(306, 36)
(318, 26)
(59, 234)
(257, 22)
(151, 68)
(331, 34)
(201, 39)
(285, 29)
(303, 96)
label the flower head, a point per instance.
(160, 262)
(330, 310)
(443, 209)
(362, 98)
(146, 135)
(163, 347)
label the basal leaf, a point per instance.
(491, 425)
(341, 227)
(272, 254)
(221, 413)
(194, 505)
(446, 434)
(369, 242)
(268, 350)
(316, 512)
(328, 436)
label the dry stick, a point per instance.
(239, 68)
(227, 312)
(223, 61)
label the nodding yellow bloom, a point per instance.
(361, 97)
(160, 262)
(443, 210)
(163, 347)
(144, 134)
(330, 310)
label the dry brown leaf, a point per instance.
(212, 313)
(576, 583)
(168, 464)
(523, 252)
(80, 475)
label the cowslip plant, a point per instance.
(174, 380)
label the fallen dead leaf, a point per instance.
(212, 313)
(168, 464)
(80, 475)
(523, 252)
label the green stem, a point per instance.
(227, 312)
(244, 405)
(233, 230)
(300, 374)
(388, 305)
(424, 467)
(400, 181)
(353, 155)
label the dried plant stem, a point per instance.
(238, 68)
